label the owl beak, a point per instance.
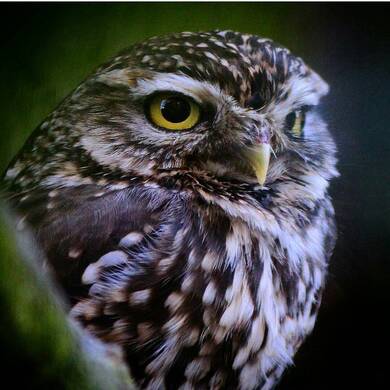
(259, 157)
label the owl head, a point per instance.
(223, 105)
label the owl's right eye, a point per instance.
(295, 122)
(173, 111)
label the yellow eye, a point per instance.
(295, 122)
(173, 112)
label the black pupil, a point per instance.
(175, 109)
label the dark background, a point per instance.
(47, 49)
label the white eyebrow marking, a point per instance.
(198, 90)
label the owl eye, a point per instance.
(173, 112)
(295, 121)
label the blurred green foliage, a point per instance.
(35, 336)
(49, 49)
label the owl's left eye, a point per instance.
(295, 121)
(173, 111)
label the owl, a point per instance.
(180, 195)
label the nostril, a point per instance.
(262, 137)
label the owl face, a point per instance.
(223, 104)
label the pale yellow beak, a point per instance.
(259, 157)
